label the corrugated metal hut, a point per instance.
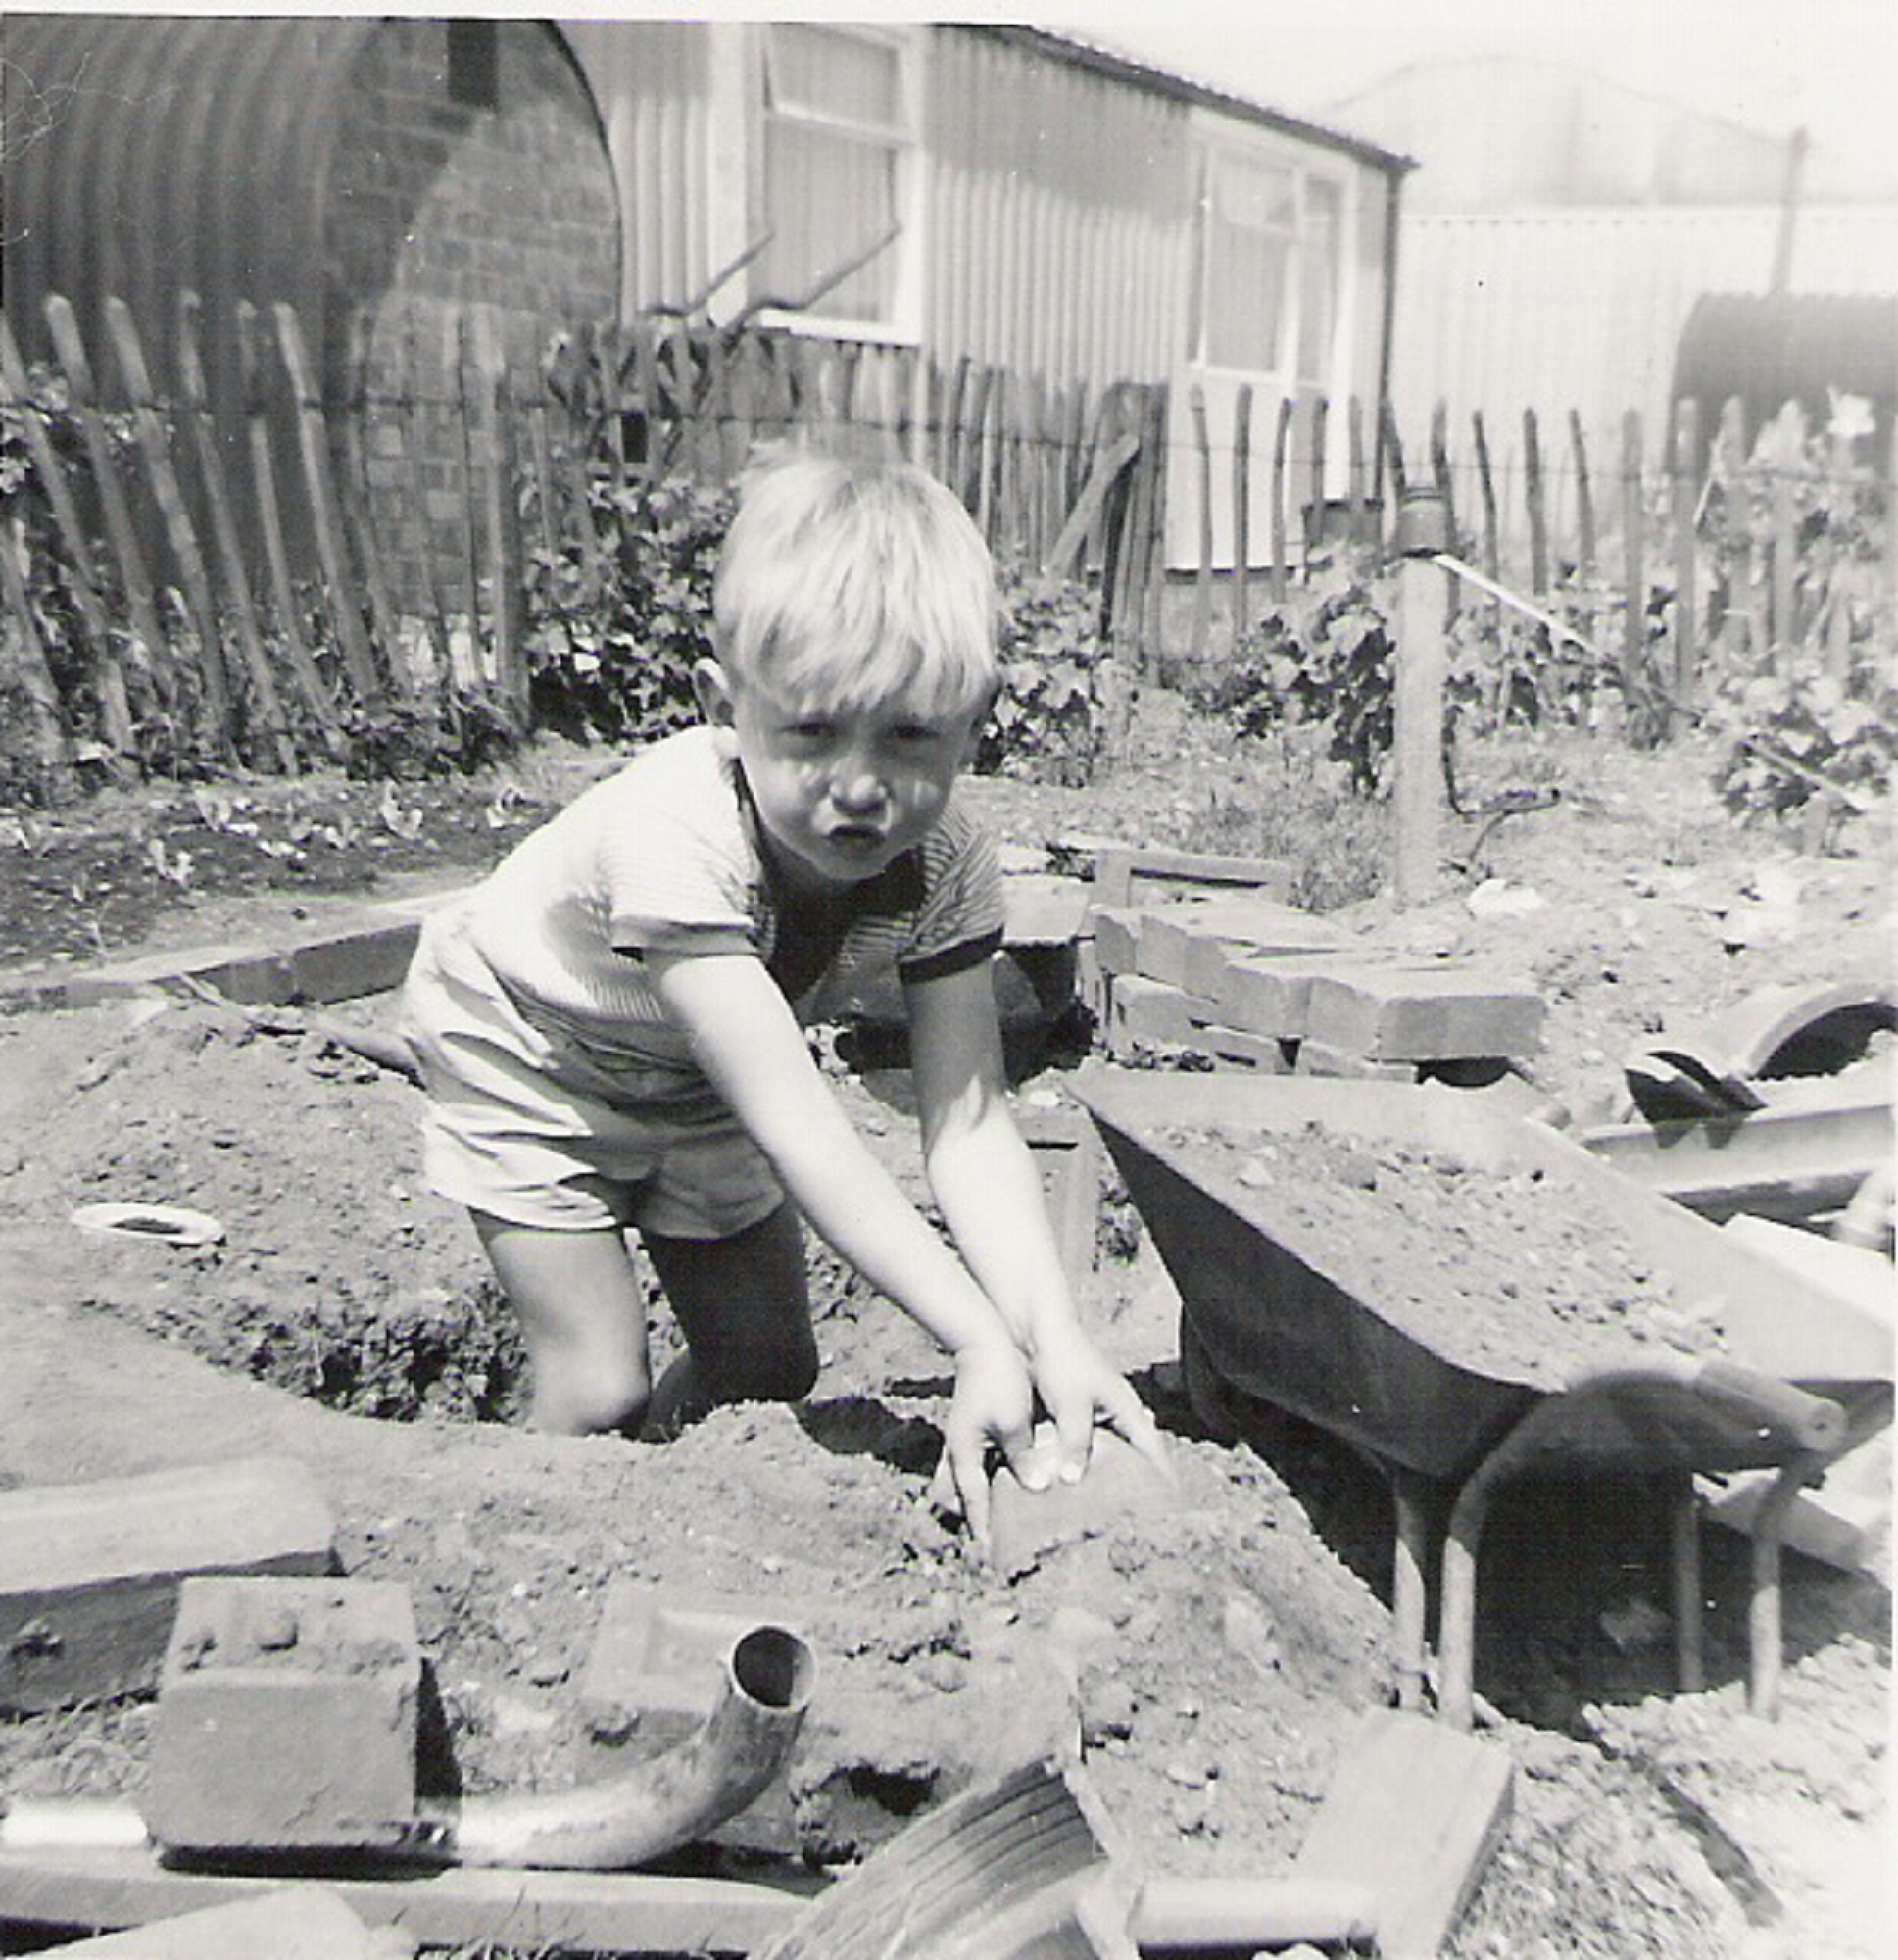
(371, 173)
(1025, 200)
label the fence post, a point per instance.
(1487, 492)
(1535, 505)
(1787, 453)
(1202, 586)
(141, 600)
(224, 531)
(1241, 508)
(1422, 660)
(1281, 442)
(501, 514)
(36, 681)
(1633, 558)
(359, 510)
(108, 676)
(1440, 469)
(1683, 508)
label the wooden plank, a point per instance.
(1202, 585)
(223, 533)
(1487, 492)
(1414, 1808)
(1280, 447)
(81, 570)
(50, 743)
(1536, 504)
(167, 493)
(359, 511)
(541, 1912)
(500, 513)
(150, 648)
(1584, 502)
(263, 486)
(462, 408)
(403, 383)
(313, 442)
(1108, 466)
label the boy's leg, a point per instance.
(583, 1312)
(744, 1306)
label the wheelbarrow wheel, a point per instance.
(1205, 1392)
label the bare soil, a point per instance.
(1211, 1659)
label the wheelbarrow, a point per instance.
(1266, 1311)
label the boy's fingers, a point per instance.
(965, 1458)
(1135, 1421)
(1074, 1440)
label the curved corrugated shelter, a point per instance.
(371, 173)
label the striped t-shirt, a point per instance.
(665, 854)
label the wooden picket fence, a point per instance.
(256, 583)
(1586, 546)
(253, 577)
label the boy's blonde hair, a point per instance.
(853, 583)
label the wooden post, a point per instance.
(1487, 492)
(1585, 503)
(1321, 410)
(224, 531)
(501, 514)
(1393, 451)
(167, 493)
(264, 487)
(1422, 657)
(1354, 487)
(83, 573)
(1535, 505)
(152, 652)
(313, 435)
(359, 511)
(1203, 588)
(1683, 508)
(1281, 443)
(463, 408)
(1241, 508)
(1633, 558)
(51, 745)
(1439, 470)
(405, 380)
(1788, 458)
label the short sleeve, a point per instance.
(959, 920)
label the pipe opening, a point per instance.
(773, 1666)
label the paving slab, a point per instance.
(307, 1921)
(1430, 1014)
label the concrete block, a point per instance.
(89, 1573)
(1423, 1014)
(288, 1716)
(1091, 983)
(1067, 1151)
(350, 964)
(296, 1923)
(1125, 874)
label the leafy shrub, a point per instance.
(1791, 736)
(1048, 719)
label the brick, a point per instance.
(1125, 874)
(1411, 1014)
(1343, 1064)
(1258, 929)
(288, 1715)
(295, 1922)
(1263, 1055)
(89, 1573)
(1040, 908)
(1271, 995)
(1120, 1484)
(1115, 932)
(1149, 1011)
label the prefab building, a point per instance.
(1000, 195)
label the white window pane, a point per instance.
(1318, 278)
(826, 199)
(842, 76)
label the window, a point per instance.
(474, 64)
(1317, 253)
(1251, 229)
(835, 172)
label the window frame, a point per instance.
(904, 142)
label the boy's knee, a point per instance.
(596, 1400)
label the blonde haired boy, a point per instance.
(608, 1027)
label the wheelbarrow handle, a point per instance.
(1811, 1422)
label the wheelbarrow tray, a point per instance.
(1264, 1306)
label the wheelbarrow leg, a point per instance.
(1456, 1633)
(1766, 1650)
(1684, 1519)
(1410, 1495)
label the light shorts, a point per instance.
(534, 1128)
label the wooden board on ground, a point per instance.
(1415, 1808)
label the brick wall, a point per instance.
(438, 203)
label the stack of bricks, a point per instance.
(1191, 953)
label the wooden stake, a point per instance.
(302, 666)
(1421, 658)
(83, 575)
(1281, 444)
(50, 743)
(1683, 502)
(1203, 590)
(1788, 458)
(312, 441)
(359, 512)
(1241, 508)
(1534, 503)
(405, 380)
(224, 531)
(501, 514)
(462, 407)
(1486, 491)
(1634, 559)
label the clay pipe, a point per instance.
(656, 1805)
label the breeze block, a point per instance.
(288, 1718)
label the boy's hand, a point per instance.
(1079, 1387)
(993, 1402)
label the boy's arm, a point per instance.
(747, 1040)
(985, 1179)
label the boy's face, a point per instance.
(841, 792)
